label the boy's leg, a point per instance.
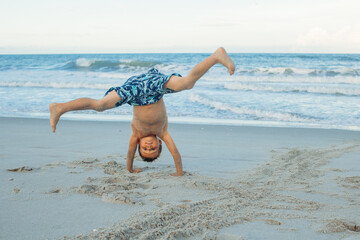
(58, 109)
(182, 83)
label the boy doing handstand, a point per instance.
(145, 92)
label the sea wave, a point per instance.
(325, 89)
(85, 64)
(254, 113)
(240, 78)
(29, 84)
(289, 71)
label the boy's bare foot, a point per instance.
(54, 115)
(223, 58)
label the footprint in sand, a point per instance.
(146, 186)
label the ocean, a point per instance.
(286, 90)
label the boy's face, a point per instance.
(149, 146)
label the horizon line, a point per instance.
(93, 53)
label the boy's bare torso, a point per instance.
(149, 119)
(152, 120)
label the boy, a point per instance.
(145, 92)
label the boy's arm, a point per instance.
(131, 153)
(174, 152)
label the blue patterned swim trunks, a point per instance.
(143, 89)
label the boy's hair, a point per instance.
(145, 159)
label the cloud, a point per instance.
(342, 40)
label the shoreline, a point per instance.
(192, 121)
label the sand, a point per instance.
(240, 183)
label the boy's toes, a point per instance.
(232, 69)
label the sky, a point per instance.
(142, 26)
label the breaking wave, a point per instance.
(327, 89)
(85, 64)
(254, 113)
(289, 71)
(29, 84)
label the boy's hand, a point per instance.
(136, 170)
(178, 174)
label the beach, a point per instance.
(260, 98)
(241, 182)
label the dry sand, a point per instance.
(305, 185)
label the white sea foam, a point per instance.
(310, 89)
(83, 62)
(112, 75)
(270, 115)
(240, 78)
(126, 60)
(344, 71)
(137, 63)
(56, 85)
(101, 64)
(170, 68)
